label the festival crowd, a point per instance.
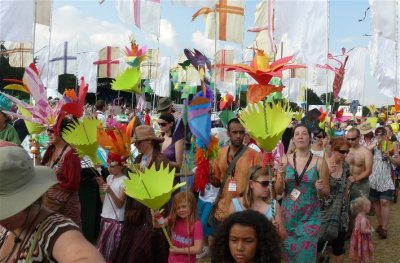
(317, 192)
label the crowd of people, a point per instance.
(320, 192)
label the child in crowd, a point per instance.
(112, 215)
(361, 248)
(185, 228)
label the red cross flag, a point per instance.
(108, 62)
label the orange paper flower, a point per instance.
(113, 140)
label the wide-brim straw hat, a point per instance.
(365, 128)
(163, 104)
(21, 183)
(145, 132)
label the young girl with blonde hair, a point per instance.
(258, 197)
(361, 247)
(185, 229)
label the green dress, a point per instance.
(301, 217)
(9, 134)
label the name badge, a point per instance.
(295, 194)
(232, 185)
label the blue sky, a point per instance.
(95, 26)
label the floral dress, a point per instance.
(361, 247)
(301, 217)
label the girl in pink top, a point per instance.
(185, 229)
(361, 247)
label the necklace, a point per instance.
(17, 238)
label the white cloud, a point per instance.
(91, 34)
(203, 44)
(167, 35)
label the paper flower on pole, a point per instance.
(152, 188)
(18, 84)
(262, 71)
(226, 102)
(114, 140)
(75, 105)
(266, 123)
(135, 55)
(33, 128)
(339, 116)
(198, 60)
(41, 112)
(129, 79)
(81, 135)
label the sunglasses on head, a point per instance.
(263, 183)
(352, 139)
(343, 151)
(162, 124)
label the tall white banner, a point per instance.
(16, 20)
(354, 76)
(304, 24)
(88, 70)
(162, 86)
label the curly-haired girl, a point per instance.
(246, 236)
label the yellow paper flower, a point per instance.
(82, 136)
(152, 188)
(266, 122)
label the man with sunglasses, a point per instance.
(360, 161)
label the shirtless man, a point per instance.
(360, 161)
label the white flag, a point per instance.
(353, 82)
(293, 89)
(20, 54)
(43, 12)
(195, 3)
(16, 20)
(144, 14)
(305, 24)
(384, 17)
(88, 70)
(162, 86)
(263, 18)
(47, 71)
(382, 46)
(224, 57)
(149, 66)
(63, 58)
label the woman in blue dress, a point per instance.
(302, 177)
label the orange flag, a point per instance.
(397, 104)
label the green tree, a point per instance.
(312, 98)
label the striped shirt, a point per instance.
(51, 228)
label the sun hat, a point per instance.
(145, 132)
(21, 183)
(164, 103)
(365, 128)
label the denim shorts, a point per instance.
(375, 195)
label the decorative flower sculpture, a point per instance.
(266, 122)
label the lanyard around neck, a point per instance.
(296, 175)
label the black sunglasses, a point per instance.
(50, 130)
(352, 139)
(343, 151)
(162, 124)
(320, 136)
(263, 183)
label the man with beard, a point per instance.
(231, 168)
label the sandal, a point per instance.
(383, 234)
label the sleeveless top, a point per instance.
(238, 208)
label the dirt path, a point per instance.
(387, 250)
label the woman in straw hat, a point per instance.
(29, 232)
(139, 242)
